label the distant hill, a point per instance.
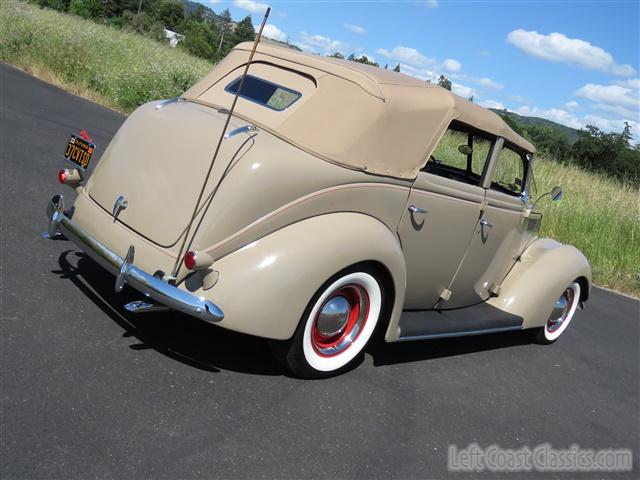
(571, 134)
(190, 6)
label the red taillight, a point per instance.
(190, 260)
(85, 135)
(62, 175)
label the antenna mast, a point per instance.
(176, 266)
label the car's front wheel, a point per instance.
(561, 315)
(336, 325)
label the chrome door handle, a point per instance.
(485, 223)
(414, 209)
(244, 128)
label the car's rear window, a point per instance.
(265, 93)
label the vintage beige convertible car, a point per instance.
(346, 203)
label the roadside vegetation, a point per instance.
(600, 213)
(118, 68)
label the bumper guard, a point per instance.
(125, 271)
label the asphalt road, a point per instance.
(89, 391)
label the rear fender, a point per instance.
(264, 287)
(540, 276)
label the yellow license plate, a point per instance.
(79, 151)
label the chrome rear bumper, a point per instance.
(126, 271)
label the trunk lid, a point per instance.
(158, 161)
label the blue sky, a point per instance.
(575, 63)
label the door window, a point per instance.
(510, 171)
(461, 154)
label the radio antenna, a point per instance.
(176, 266)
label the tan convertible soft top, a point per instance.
(348, 113)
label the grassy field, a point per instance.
(597, 215)
(123, 70)
(117, 68)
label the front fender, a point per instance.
(540, 276)
(264, 287)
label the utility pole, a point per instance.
(221, 35)
(139, 7)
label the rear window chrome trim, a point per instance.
(290, 90)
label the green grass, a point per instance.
(119, 68)
(124, 70)
(599, 216)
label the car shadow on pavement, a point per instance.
(211, 348)
(416, 351)
(176, 335)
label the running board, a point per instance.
(475, 320)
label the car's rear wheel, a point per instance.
(561, 315)
(336, 325)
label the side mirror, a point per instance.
(556, 193)
(465, 149)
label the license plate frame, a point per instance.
(79, 151)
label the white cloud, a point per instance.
(571, 120)
(250, 5)
(320, 44)
(491, 104)
(355, 28)
(432, 3)
(487, 82)
(572, 105)
(271, 31)
(613, 125)
(632, 83)
(616, 110)
(520, 99)
(451, 65)
(419, 73)
(557, 47)
(553, 114)
(463, 90)
(609, 94)
(407, 55)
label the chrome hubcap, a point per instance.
(333, 317)
(560, 310)
(340, 320)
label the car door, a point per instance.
(441, 215)
(499, 235)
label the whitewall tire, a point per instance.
(561, 315)
(337, 325)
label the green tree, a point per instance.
(137, 22)
(444, 82)
(365, 60)
(61, 5)
(199, 14)
(397, 68)
(244, 31)
(337, 55)
(200, 40)
(170, 13)
(87, 8)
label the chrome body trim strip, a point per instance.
(126, 272)
(457, 334)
